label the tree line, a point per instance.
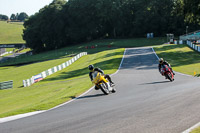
(19, 16)
(15, 17)
(64, 23)
(3, 17)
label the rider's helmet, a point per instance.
(161, 60)
(91, 67)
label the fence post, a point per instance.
(6, 85)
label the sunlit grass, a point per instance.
(10, 33)
(197, 130)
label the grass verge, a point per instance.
(197, 130)
(182, 58)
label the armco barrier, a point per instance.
(6, 85)
(50, 71)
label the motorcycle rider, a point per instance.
(92, 69)
(164, 62)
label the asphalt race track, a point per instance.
(145, 102)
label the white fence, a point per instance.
(193, 46)
(10, 52)
(178, 41)
(50, 71)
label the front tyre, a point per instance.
(169, 76)
(104, 88)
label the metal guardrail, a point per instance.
(6, 85)
(15, 45)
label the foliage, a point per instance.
(19, 17)
(13, 17)
(67, 23)
(191, 11)
(3, 17)
(22, 16)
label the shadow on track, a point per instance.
(91, 96)
(160, 82)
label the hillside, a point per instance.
(11, 32)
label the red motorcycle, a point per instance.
(167, 72)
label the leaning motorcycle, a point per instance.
(167, 72)
(102, 83)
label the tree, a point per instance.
(22, 16)
(17, 15)
(67, 23)
(191, 10)
(13, 17)
(3, 17)
(41, 30)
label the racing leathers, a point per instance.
(101, 71)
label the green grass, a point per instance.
(10, 33)
(126, 43)
(9, 49)
(197, 130)
(55, 89)
(182, 58)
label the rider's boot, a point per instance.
(112, 84)
(172, 71)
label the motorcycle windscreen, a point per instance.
(95, 76)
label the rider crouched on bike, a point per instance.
(92, 69)
(164, 62)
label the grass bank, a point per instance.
(182, 58)
(10, 33)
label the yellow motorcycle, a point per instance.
(102, 83)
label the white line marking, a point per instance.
(155, 53)
(120, 63)
(192, 128)
(10, 118)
